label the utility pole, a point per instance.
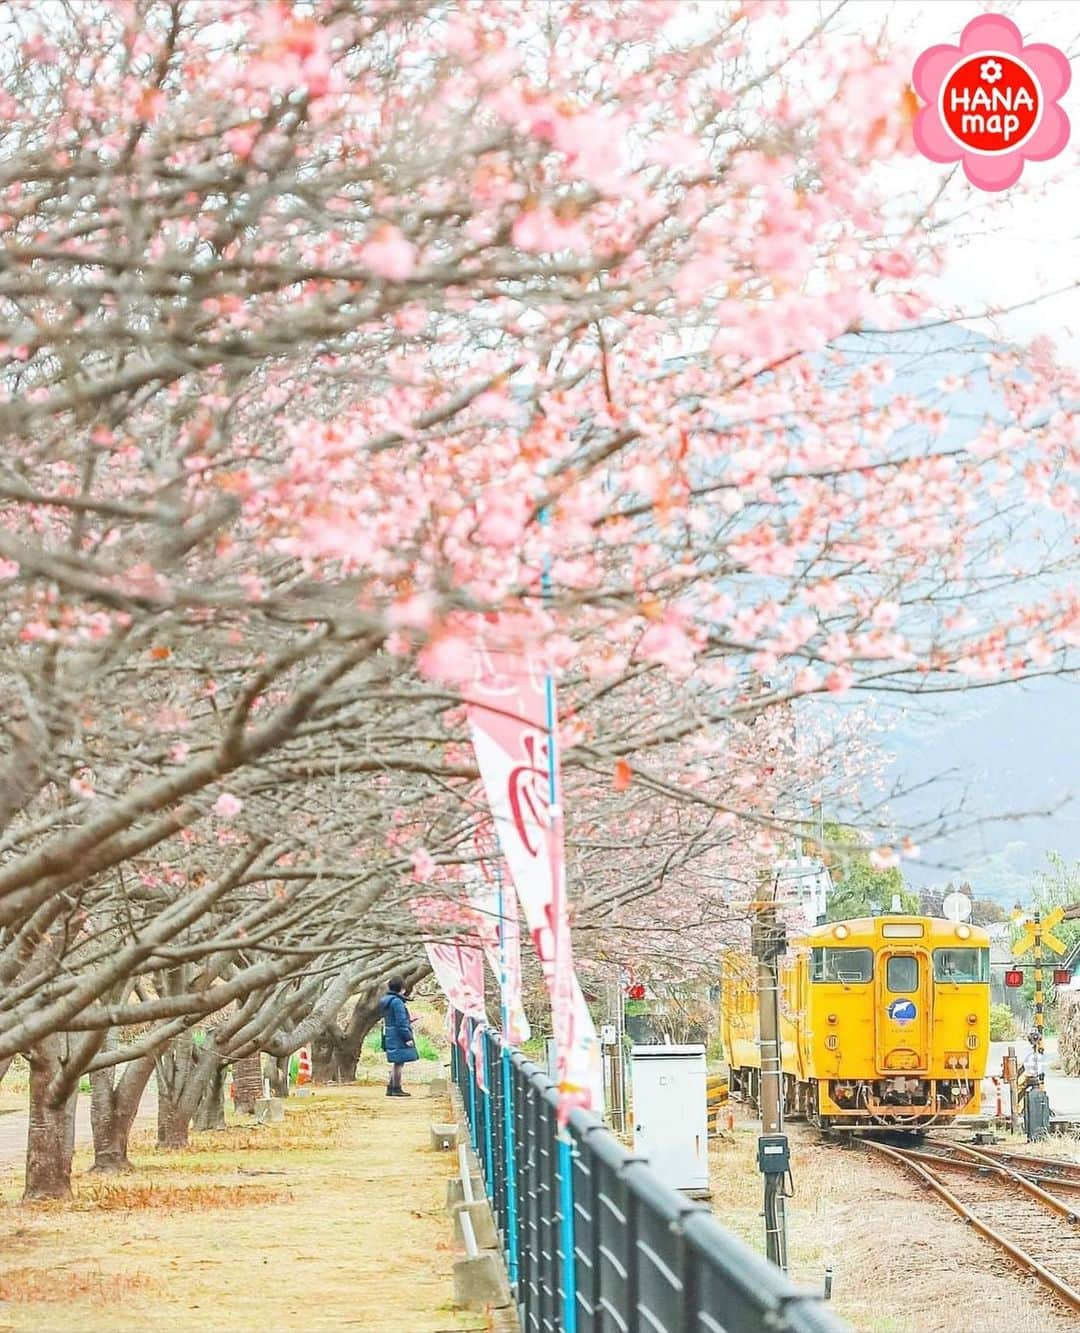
(774, 1160)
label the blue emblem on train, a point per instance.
(902, 1011)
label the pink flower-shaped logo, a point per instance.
(991, 102)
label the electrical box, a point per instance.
(670, 1121)
(1036, 1114)
(773, 1156)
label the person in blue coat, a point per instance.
(398, 1040)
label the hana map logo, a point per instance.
(991, 102)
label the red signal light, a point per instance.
(1014, 977)
(1062, 976)
(636, 991)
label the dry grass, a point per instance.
(347, 1233)
(45, 1286)
(902, 1262)
(170, 1199)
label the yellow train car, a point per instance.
(884, 1021)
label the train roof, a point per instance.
(934, 930)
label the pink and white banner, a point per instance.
(459, 969)
(499, 927)
(507, 705)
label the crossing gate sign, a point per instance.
(1046, 927)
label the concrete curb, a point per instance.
(480, 1281)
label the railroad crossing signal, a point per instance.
(1040, 931)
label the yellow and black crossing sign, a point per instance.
(1039, 930)
(1038, 935)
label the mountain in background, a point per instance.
(1009, 756)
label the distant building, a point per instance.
(803, 884)
(1001, 958)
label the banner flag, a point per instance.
(459, 970)
(499, 928)
(508, 706)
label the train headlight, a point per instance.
(833, 1018)
(973, 1018)
(963, 931)
(841, 932)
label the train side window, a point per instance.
(964, 965)
(902, 974)
(843, 965)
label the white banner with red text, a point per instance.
(508, 705)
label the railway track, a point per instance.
(1038, 1231)
(1049, 1172)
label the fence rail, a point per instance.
(636, 1254)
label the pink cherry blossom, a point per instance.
(540, 230)
(390, 255)
(884, 858)
(423, 865)
(227, 806)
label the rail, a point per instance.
(1058, 1249)
(629, 1253)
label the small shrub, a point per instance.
(426, 1048)
(1003, 1024)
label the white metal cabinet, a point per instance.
(670, 1123)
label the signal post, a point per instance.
(768, 942)
(1037, 936)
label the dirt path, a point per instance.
(332, 1220)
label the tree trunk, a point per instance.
(50, 1140)
(325, 1065)
(279, 1075)
(334, 1053)
(210, 1113)
(114, 1103)
(183, 1075)
(247, 1083)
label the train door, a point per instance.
(903, 1021)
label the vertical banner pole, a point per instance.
(509, 1156)
(565, 1150)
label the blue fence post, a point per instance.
(489, 1147)
(470, 1074)
(566, 1213)
(511, 1167)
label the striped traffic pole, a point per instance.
(1040, 1013)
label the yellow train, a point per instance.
(883, 1020)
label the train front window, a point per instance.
(902, 974)
(964, 965)
(843, 965)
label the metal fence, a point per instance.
(642, 1257)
